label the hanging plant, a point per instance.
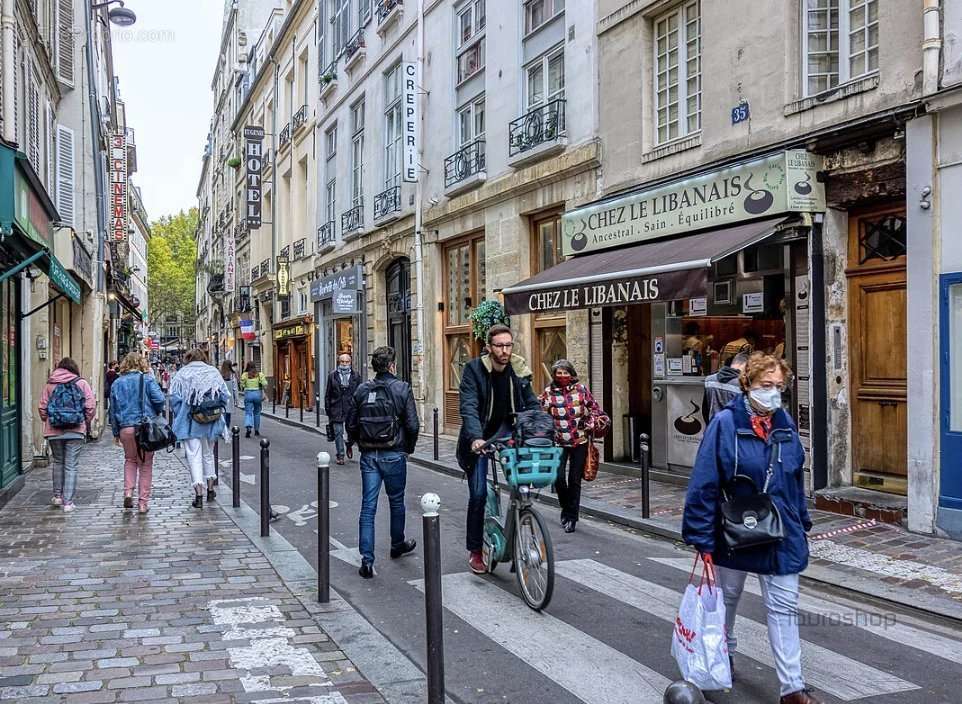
(234, 162)
(486, 314)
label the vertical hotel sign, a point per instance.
(118, 189)
(254, 161)
(409, 122)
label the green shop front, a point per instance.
(26, 217)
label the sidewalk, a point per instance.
(105, 605)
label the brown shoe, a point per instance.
(802, 696)
(339, 460)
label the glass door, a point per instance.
(9, 379)
(951, 400)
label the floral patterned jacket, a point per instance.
(575, 413)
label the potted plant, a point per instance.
(486, 314)
(327, 77)
(234, 162)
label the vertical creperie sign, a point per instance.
(254, 160)
(409, 100)
(118, 188)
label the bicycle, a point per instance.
(520, 535)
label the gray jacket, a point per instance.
(720, 389)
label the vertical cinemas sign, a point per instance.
(254, 161)
(118, 188)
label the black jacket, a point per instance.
(339, 400)
(720, 389)
(476, 404)
(407, 411)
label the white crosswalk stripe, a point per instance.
(883, 625)
(825, 669)
(588, 668)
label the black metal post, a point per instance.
(265, 487)
(323, 527)
(216, 461)
(303, 398)
(274, 400)
(317, 411)
(436, 449)
(431, 530)
(645, 475)
(287, 406)
(235, 466)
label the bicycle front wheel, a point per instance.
(534, 559)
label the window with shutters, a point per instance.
(33, 126)
(65, 42)
(65, 174)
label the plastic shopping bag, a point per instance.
(699, 644)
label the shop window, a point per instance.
(881, 239)
(552, 345)
(465, 286)
(285, 308)
(955, 358)
(762, 258)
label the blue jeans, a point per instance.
(253, 399)
(339, 445)
(477, 496)
(65, 461)
(389, 467)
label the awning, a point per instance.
(126, 304)
(665, 270)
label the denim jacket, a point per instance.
(125, 408)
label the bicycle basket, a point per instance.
(534, 466)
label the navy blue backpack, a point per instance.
(65, 408)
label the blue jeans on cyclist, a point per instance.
(477, 495)
(390, 468)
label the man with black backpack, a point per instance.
(384, 421)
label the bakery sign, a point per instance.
(782, 183)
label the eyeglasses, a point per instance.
(502, 345)
(768, 386)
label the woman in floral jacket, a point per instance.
(576, 417)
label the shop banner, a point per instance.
(783, 183)
(344, 302)
(283, 280)
(666, 286)
(254, 162)
(350, 279)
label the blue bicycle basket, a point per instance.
(530, 466)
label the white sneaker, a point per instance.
(56, 501)
(67, 508)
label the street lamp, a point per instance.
(120, 16)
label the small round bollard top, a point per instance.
(430, 503)
(323, 459)
(235, 430)
(265, 443)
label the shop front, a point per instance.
(293, 362)
(339, 307)
(682, 278)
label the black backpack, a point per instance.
(534, 429)
(378, 427)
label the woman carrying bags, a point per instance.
(252, 385)
(756, 440)
(577, 419)
(134, 396)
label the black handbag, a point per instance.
(152, 433)
(749, 520)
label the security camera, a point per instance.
(434, 201)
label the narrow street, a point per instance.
(605, 637)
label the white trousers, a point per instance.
(200, 460)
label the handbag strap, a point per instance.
(143, 412)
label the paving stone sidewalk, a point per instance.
(106, 605)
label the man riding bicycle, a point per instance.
(491, 393)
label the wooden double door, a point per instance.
(877, 337)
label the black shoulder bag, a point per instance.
(152, 433)
(749, 520)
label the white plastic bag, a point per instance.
(699, 644)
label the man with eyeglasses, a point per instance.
(491, 393)
(342, 382)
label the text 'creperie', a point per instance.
(592, 295)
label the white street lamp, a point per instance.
(120, 16)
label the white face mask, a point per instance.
(767, 399)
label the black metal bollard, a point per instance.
(645, 474)
(287, 406)
(436, 449)
(431, 530)
(216, 461)
(265, 488)
(323, 527)
(274, 401)
(303, 398)
(317, 411)
(235, 466)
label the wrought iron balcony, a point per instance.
(255, 272)
(385, 8)
(354, 45)
(387, 202)
(325, 236)
(353, 219)
(265, 267)
(299, 248)
(328, 74)
(543, 124)
(464, 163)
(286, 252)
(285, 135)
(300, 118)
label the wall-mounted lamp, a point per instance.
(120, 16)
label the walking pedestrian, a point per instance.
(722, 386)
(135, 396)
(109, 379)
(339, 401)
(491, 392)
(385, 423)
(754, 437)
(577, 418)
(230, 380)
(252, 384)
(67, 406)
(198, 400)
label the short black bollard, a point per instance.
(216, 461)
(303, 398)
(235, 466)
(265, 487)
(317, 411)
(645, 474)
(323, 527)
(431, 530)
(436, 448)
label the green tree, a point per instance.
(171, 273)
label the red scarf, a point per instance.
(762, 425)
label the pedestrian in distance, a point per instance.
(198, 401)
(342, 382)
(491, 393)
(67, 406)
(577, 419)
(230, 380)
(385, 423)
(252, 384)
(754, 437)
(109, 379)
(135, 396)
(722, 386)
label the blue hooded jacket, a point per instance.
(125, 408)
(715, 466)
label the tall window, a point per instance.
(470, 53)
(678, 72)
(471, 122)
(363, 12)
(551, 338)
(340, 14)
(392, 127)
(330, 151)
(538, 12)
(545, 79)
(357, 153)
(839, 42)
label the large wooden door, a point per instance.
(877, 349)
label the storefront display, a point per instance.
(339, 308)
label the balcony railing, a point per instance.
(384, 8)
(464, 163)
(299, 248)
(543, 124)
(325, 235)
(387, 202)
(286, 251)
(300, 118)
(255, 272)
(265, 267)
(354, 44)
(353, 219)
(285, 135)
(328, 74)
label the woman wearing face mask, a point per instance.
(754, 436)
(576, 415)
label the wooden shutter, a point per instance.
(65, 42)
(65, 174)
(33, 125)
